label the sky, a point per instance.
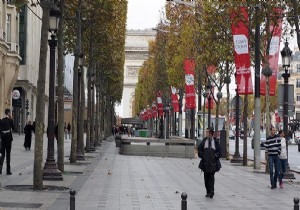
(144, 14)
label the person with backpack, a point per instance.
(6, 127)
(209, 151)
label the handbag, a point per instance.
(219, 165)
(201, 165)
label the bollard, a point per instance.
(72, 199)
(183, 201)
(296, 203)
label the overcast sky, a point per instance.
(144, 13)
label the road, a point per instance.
(294, 155)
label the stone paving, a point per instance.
(107, 180)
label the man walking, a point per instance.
(209, 151)
(6, 127)
(273, 148)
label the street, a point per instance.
(294, 155)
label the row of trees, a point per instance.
(203, 32)
(94, 30)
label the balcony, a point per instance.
(13, 47)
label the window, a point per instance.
(298, 68)
(298, 83)
(298, 96)
(8, 28)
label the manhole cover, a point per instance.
(30, 188)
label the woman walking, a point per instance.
(28, 134)
(282, 157)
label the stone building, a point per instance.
(9, 53)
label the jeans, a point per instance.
(274, 161)
(283, 163)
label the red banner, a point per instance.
(190, 96)
(160, 104)
(241, 53)
(273, 55)
(174, 98)
(149, 113)
(154, 110)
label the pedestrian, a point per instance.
(65, 131)
(6, 127)
(273, 149)
(209, 151)
(33, 125)
(282, 157)
(69, 130)
(28, 135)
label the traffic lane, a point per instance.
(294, 155)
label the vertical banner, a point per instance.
(175, 102)
(160, 104)
(275, 31)
(190, 97)
(241, 53)
(154, 110)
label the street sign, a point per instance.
(233, 102)
(291, 106)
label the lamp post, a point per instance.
(92, 127)
(79, 154)
(50, 170)
(167, 118)
(208, 96)
(237, 157)
(180, 112)
(26, 108)
(286, 54)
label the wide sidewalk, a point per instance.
(108, 180)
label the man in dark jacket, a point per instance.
(209, 151)
(6, 127)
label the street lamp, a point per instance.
(92, 137)
(50, 170)
(286, 54)
(79, 154)
(208, 96)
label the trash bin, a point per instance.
(143, 133)
(223, 143)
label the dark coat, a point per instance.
(6, 124)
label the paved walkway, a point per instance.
(109, 181)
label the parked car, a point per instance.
(231, 135)
(262, 141)
(297, 137)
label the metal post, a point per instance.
(286, 75)
(50, 170)
(183, 201)
(72, 199)
(180, 113)
(237, 157)
(257, 112)
(209, 111)
(192, 124)
(296, 203)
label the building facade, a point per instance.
(136, 52)
(9, 53)
(295, 80)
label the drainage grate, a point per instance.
(21, 205)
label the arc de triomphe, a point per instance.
(136, 52)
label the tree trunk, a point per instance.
(75, 103)
(60, 92)
(89, 112)
(267, 117)
(40, 107)
(82, 111)
(228, 119)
